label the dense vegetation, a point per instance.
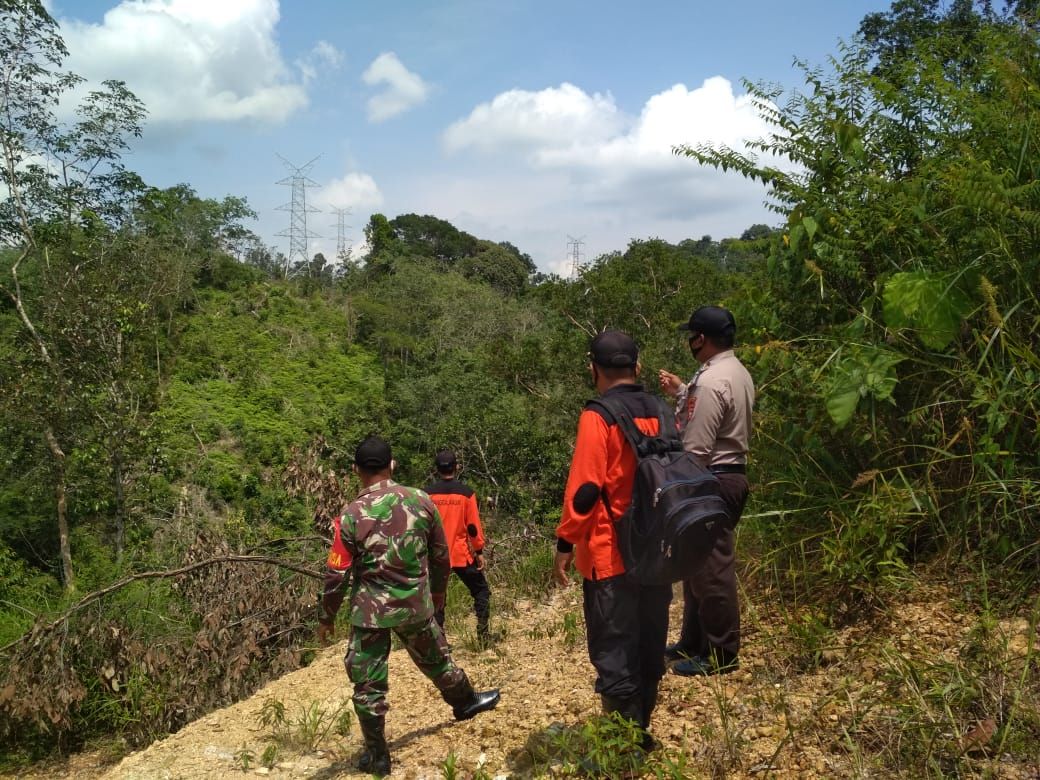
(174, 398)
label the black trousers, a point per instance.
(711, 612)
(627, 627)
(477, 584)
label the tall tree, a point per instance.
(66, 189)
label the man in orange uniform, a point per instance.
(626, 623)
(457, 504)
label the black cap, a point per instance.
(614, 349)
(372, 454)
(445, 460)
(711, 321)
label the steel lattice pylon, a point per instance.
(574, 246)
(341, 231)
(298, 209)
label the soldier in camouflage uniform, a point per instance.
(398, 559)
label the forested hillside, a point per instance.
(178, 405)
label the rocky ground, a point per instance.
(806, 703)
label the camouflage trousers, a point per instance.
(367, 663)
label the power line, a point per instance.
(298, 209)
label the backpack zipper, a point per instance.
(679, 483)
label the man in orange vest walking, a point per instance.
(457, 504)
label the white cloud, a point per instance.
(328, 53)
(566, 128)
(557, 118)
(536, 166)
(351, 191)
(403, 89)
(565, 162)
(324, 56)
(708, 114)
(190, 60)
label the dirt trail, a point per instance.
(541, 682)
(765, 720)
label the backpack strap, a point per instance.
(642, 445)
(619, 413)
(667, 438)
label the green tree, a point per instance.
(429, 236)
(647, 291)
(756, 232)
(59, 180)
(99, 259)
(379, 235)
(523, 257)
(497, 266)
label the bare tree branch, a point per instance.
(532, 390)
(590, 331)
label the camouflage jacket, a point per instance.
(399, 558)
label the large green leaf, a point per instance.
(810, 226)
(865, 372)
(932, 305)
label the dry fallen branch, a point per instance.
(325, 540)
(151, 575)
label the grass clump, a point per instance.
(308, 728)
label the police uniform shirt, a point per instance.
(718, 402)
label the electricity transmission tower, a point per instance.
(298, 209)
(574, 246)
(341, 231)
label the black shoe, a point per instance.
(481, 702)
(676, 652)
(699, 666)
(488, 639)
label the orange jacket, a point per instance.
(603, 465)
(457, 504)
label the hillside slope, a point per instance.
(766, 720)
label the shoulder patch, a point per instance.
(585, 497)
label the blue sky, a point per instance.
(518, 121)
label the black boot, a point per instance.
(376, 758)
(481, 702)
(630, 708)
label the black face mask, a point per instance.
(696, 350)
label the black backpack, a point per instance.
(675, 501)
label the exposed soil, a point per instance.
(769, 719)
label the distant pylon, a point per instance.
(341, 230)
(574, 250)
(298, 209)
